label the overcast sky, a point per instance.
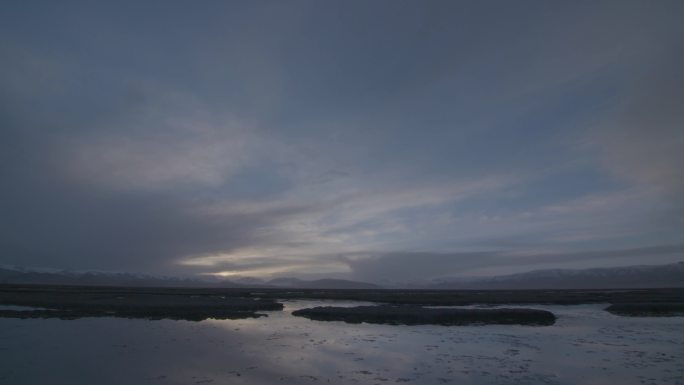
(372, 140)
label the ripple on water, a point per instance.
(587, 345)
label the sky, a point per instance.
(384, 141)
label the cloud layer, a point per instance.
(383, 141)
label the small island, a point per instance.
(419, 315)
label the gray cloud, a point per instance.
(418, 266)
(305, 138)
(89, 228)
(642, 143)
(95, 220)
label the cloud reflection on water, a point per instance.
(587, 345)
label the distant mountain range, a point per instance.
(650, 276)
(296, 283)
(658, 276)
(20, 275)
(321, 284)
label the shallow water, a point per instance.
(585, 346)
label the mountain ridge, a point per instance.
(23, 275)
(635, 276)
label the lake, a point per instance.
(586, 346)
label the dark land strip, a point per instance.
(69, 302)
(653, 309)
(481, 297)
(72, 303)
(418, 315)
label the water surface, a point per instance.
(585, 346)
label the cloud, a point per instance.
(639, 140)
(288, 140)
(337, 222)
(81, 227)
(420, 266)
(168, 144)
(642, 142)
